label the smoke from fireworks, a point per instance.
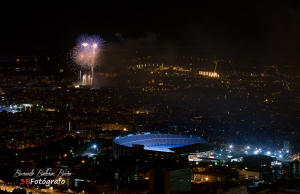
(86, 54)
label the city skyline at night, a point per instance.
(150, 98)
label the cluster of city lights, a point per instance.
(16, 107)
(280, 154)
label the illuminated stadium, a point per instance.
(162, 144)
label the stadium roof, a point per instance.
(159, 142)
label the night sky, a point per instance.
(237, 28)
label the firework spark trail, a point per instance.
(86, 53)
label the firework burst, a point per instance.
(86, 54)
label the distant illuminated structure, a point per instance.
(211, 74)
